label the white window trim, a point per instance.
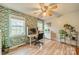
(17, 17)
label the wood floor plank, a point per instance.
(49, 48)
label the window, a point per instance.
(17, 27)
(40, 25)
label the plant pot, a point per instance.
(5, 50)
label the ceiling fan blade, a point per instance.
(43, 7)
(57, 14)
(38, 13)
(49, 12)
(53, 6)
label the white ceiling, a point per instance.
(29, 8)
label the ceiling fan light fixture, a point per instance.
(44, 14)
(47, 9)
(47, 14)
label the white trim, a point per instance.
(17, 17)
(9, 28)
(17, 46)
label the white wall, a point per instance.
(70, 18)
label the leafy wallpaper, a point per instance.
(31, 22)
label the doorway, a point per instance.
(47, 31)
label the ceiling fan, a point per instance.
(47, 10)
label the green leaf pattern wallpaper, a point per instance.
(4, 26)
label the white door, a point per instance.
(47, 32)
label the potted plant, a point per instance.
(5, 49)
(62, 34)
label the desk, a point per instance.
(31, 36)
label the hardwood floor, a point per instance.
(49, 48)
(77, 51)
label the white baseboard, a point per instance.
(17, 46)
